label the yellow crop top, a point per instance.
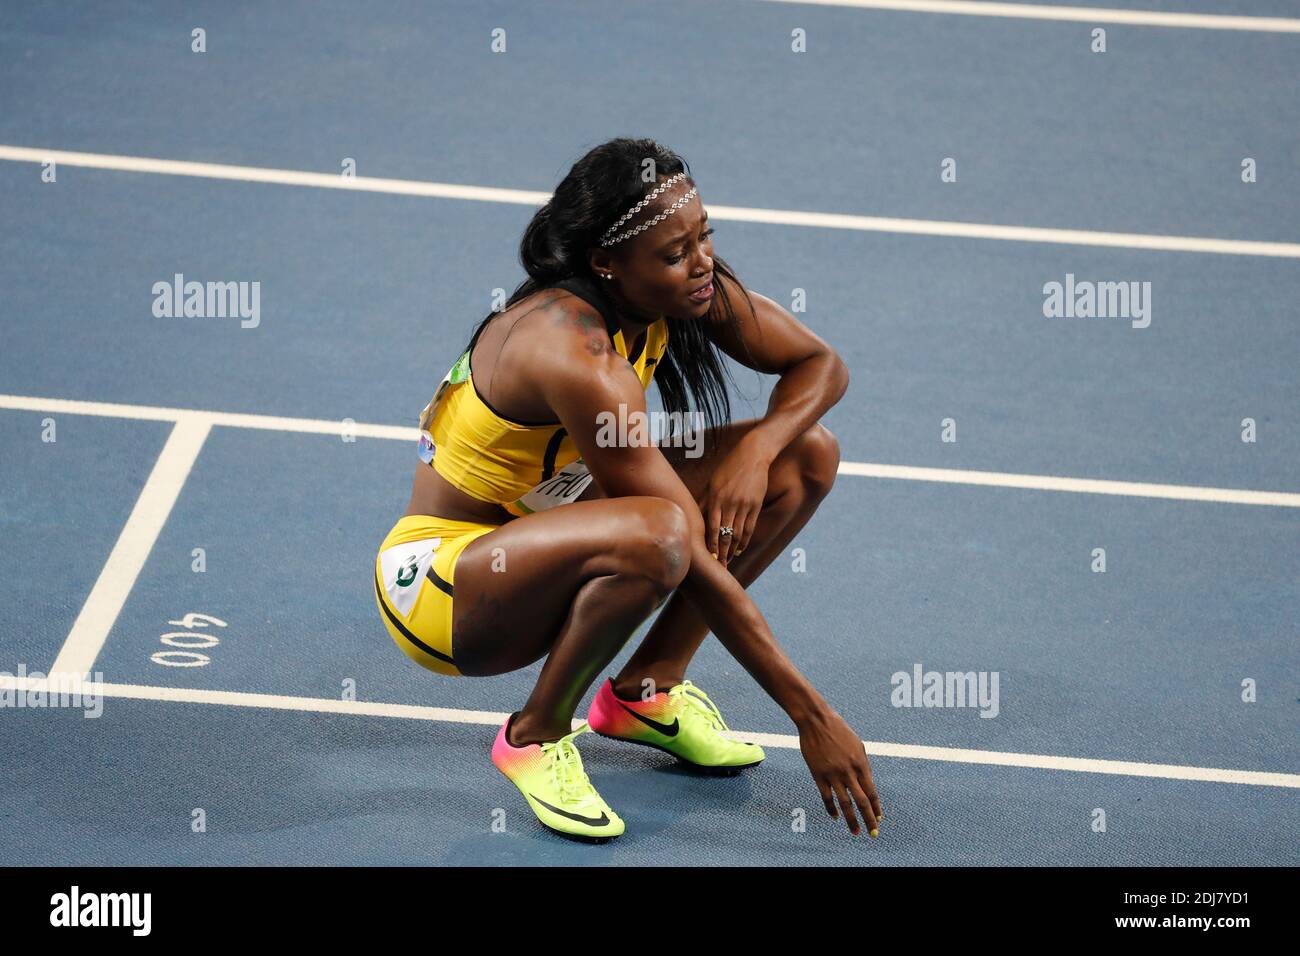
(522, 466)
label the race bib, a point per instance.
(403, 567)
(562, 488)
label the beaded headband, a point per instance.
(609, 239)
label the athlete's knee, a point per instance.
(658, 542)
(818, 453)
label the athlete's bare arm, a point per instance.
(768, 339)
(581, 378)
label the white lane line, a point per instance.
(324, 705)
(1090, 486)
(107, 597)
(160, 413)
(278, 177)
(977, 230)
(1095, 486)
(778, 217)
(1036, 11)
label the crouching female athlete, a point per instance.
(529, 534)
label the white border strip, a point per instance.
(108, 596)
(1035, 11)
(777, 217)
(324, 705)
(1094, 486)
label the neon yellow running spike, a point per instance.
(551, 778)
(682, 721)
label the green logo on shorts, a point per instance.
(407, 572)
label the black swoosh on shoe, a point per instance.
(668, 730)
(593, 821)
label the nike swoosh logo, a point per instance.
(668, 730)
(594, 821)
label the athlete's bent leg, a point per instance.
(798, 480)
(572, 583)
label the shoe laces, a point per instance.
(694, 698)
(565, 763)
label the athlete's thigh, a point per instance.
(514, 585)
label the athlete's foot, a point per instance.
(551, 778)
(681, 721)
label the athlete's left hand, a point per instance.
(733, 499)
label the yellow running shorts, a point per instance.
(415, 576)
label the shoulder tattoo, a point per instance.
(588, 325)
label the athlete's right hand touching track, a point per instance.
(839, 766)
